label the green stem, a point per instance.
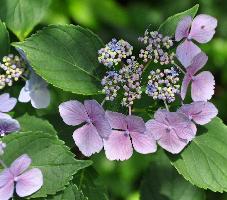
(180, 68)
(104, 100)
(129, 110)
(166, 105)
(145, 67)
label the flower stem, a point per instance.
(145, 67)
(166, 105)
(180, 68)
(104, 100)
(24, 78)
(129, 110)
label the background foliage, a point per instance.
(125, 19)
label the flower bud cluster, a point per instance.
(110, 84)
(13, 68)
(163, 85)
(131, 74)
(113, 53)
(157, 48)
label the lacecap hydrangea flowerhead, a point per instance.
(164, 68)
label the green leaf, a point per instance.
(49, 154)
(4, 40)
(204, 161)
(65, 56)
(71, 192)
(21, 16)
(169, 26)
(92, 187)
(162, 182)
(32, 123)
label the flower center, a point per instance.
(168, 129)
(89, 121)
(126, 133)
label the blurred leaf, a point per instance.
(87, 181)
(162, 182)
(204, 161)
(169, 26)
(66, 57)
(57, 13)
(21, 16)
(49, 154)
(92, 13)
(4, 40)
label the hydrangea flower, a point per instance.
(201, 112)
(201, 29)
(127, 131)
(2, 147)
(172, 130)
(8, 125)
(36, 91)
(202, 87)
(26, 181)
(7, 103)
(89, 137)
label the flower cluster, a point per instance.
(110, 83)
(163, 85)
(131, 74)
(113, 53)
(157, 48)
(118, 133)
(18, 175)
(13, 68)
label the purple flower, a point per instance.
(89, 137)
(2, 147)
(172, 130)
(26, 181)
(127, 131)
(36, 91)
(201, 112)
(6, 105)
(201, 29)
(8, 125)
(202, 87)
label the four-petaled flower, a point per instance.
(172, 130)
(202, 87)
(36, 91)
(26, 181)
(127, 131)
(89, 137)
(201, 29)
(201, 112)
